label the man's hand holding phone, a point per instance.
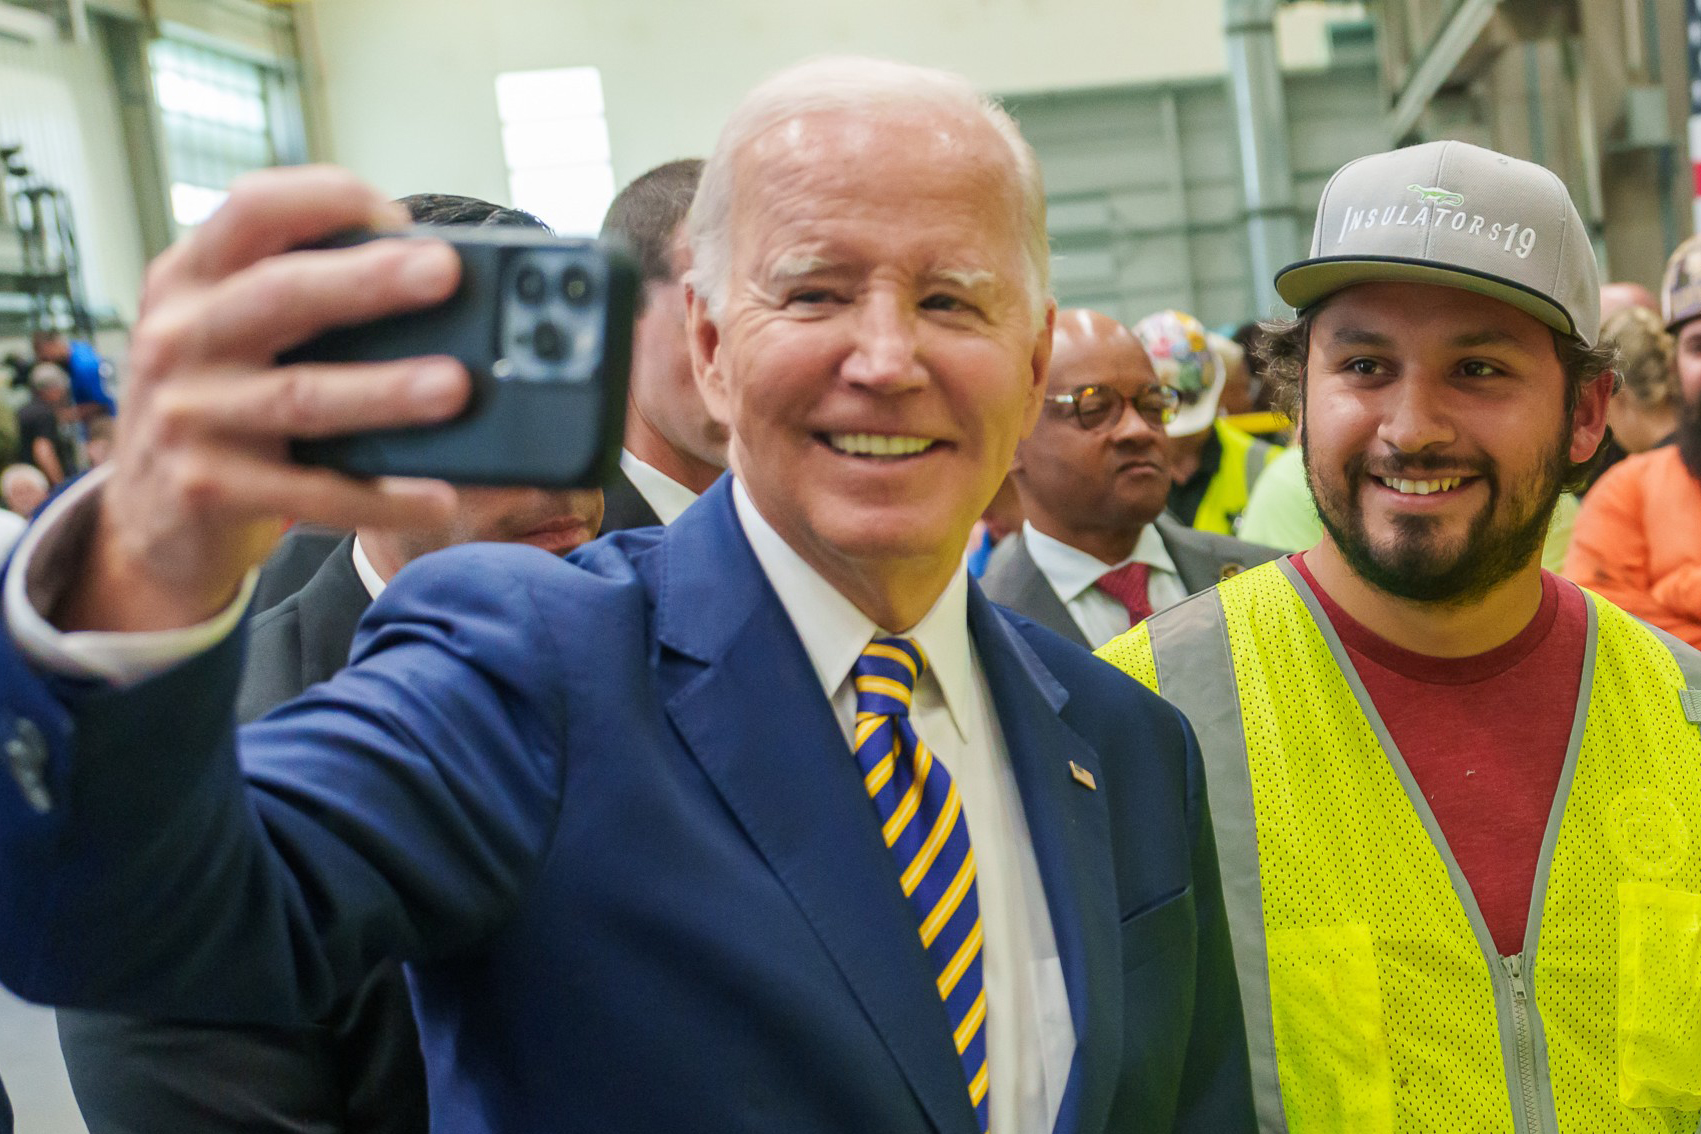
(202, 482)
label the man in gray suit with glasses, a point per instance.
(1097, 554)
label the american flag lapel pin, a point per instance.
(1083, 777)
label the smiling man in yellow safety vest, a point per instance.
(1457, 799)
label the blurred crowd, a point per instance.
(56, 421)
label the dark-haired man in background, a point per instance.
(304, 547)
(358, 1071)
(673, 449)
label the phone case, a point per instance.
(543, 325)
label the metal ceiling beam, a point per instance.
(1261, 120)
(1435, 66)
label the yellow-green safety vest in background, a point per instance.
(1243, 459)
(1375, 999)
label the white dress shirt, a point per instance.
(1030, 1034)
(666, 497)
(1072, 573)
(369, 576)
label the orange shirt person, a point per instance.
(1638, 541)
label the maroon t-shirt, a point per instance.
(1485, 738)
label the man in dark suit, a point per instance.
(296, 559)
(306, 546)
(673, 449)
(1097, 553)
(357, 1070)
(675, 834)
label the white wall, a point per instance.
(58, 99)
(408, 85)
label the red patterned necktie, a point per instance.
(1127, 585)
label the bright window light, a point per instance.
(555, 144)
(215, 114)
(192, 204)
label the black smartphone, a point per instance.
(544, 327)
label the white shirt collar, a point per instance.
(369, 576)
(1071, 571)
(666, 497)
(834, 631)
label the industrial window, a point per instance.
(555, 143)
(216, 118)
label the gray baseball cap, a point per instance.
(1458, 215)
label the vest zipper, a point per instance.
(1525, 1039)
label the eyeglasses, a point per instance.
(1100, 407)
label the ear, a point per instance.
(704, 335)
(1039, 370)
(1589, 422)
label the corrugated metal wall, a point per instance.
(1144, 191)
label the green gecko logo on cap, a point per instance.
(1438, 196)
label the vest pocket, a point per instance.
(1331, 1046)
(1659, 996)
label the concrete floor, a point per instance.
(33, 1071)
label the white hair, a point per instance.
(49, 375)
(16, 475)
(853, 83)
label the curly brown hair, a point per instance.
(1285, 346)
(1648, 356)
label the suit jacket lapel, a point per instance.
(328, 609)
(624, 506)
(1200, 569)
(1036, 599)
(1070, 827)
(758, 723)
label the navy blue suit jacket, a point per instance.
(604, 812)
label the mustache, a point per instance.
(1418, 466)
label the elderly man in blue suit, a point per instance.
(767, 821)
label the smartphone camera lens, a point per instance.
(576, 285)
(528, 283)
(548, 343)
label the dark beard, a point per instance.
(1689, 436)
(1412, 569)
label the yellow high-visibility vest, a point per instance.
(1376, 1001)
(1243, 459)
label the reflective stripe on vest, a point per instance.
(1374, 998)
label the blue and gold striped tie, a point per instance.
(921, 817)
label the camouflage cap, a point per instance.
(1680, 291)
